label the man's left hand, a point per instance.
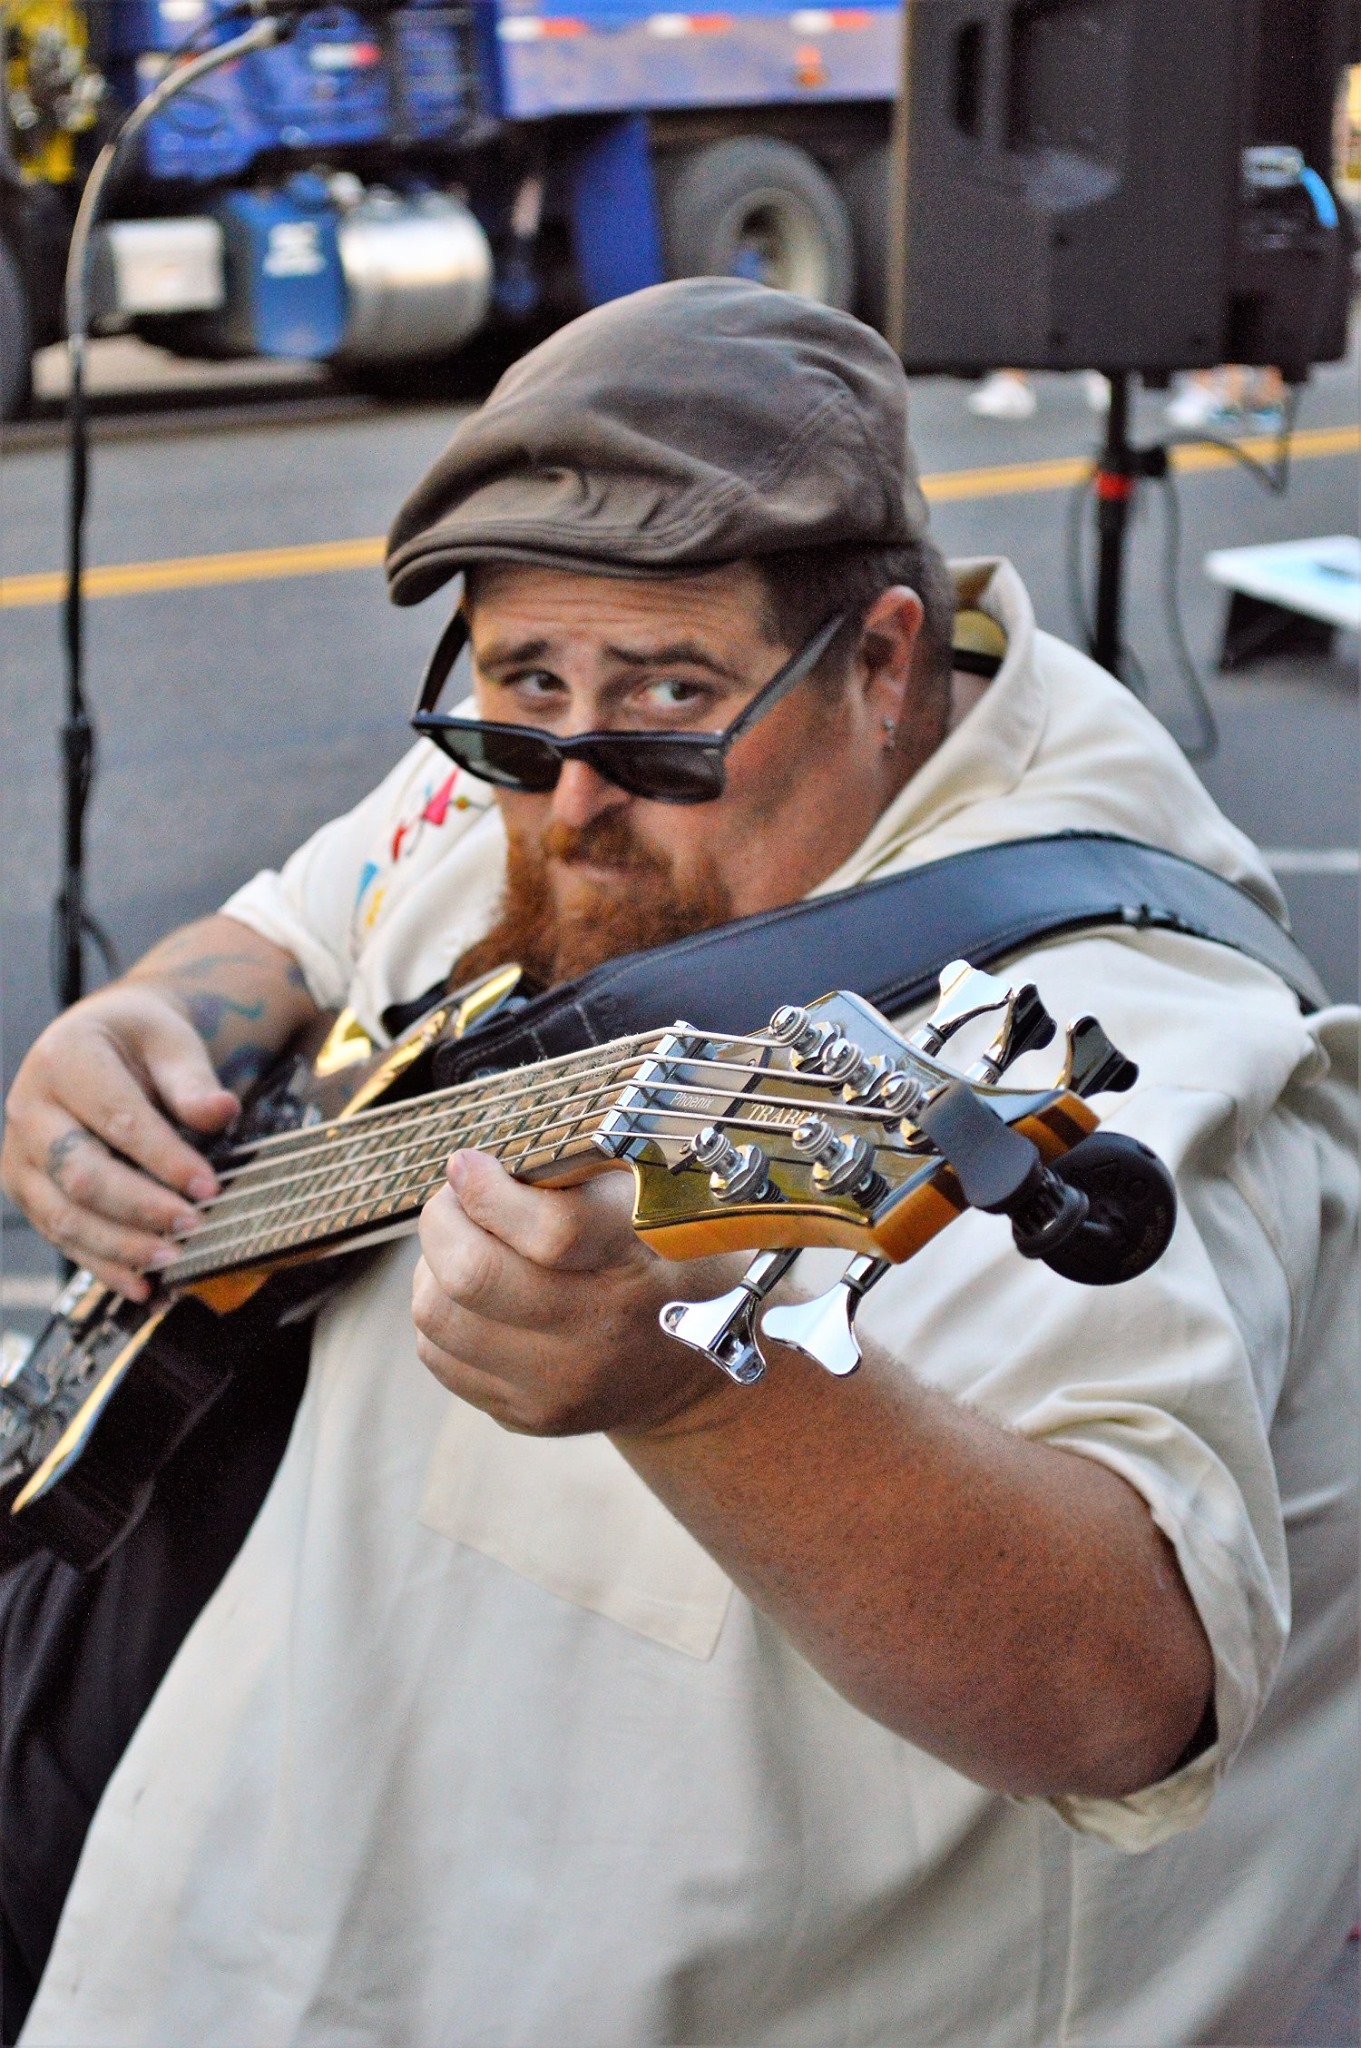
(540, 1306)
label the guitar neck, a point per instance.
(367, 1174)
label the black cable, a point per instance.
(72, 924)
(1208, 741)
(1273, 477)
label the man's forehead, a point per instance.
(642, 616)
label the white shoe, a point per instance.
(1196, 405)
(1005, 395)
(1096, 389)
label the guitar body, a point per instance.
(118, 1385)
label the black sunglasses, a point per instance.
(668, 767)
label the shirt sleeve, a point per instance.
(309, 905)
(1172, 1380)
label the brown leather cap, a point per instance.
(692, 424)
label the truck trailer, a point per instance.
(388, 183)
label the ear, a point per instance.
(886, 654)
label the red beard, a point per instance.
(645, 907)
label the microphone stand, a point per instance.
(72, 922)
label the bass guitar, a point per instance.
(827, 1127)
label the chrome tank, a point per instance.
(418, 273)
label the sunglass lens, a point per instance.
(666, 770)
(505, 757)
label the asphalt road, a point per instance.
(235, 716)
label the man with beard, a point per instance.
(565, 1692)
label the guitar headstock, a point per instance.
(810, 1131)
(828, 1127)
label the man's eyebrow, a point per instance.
(513, 654)
(687, 652)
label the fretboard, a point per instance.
(360, 1174)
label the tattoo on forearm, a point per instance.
(208, 1013)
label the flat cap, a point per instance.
(691, 424)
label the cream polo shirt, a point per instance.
(475, 1745)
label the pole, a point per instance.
(1115, 481)
(72, 921)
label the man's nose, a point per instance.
(583, 794)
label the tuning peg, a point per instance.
(965, 993)
(792, 1026)
(724, 1329)
(824, 1328)
(1093, 1064)
(1026, 1026)
(841, 1166)
(736, 1172)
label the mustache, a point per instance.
(649, 907)
(608, 841)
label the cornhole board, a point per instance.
(1289, 597)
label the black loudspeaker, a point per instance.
(1126, 185)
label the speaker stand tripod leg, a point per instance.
(1115, 480)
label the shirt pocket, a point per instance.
(570, 1515)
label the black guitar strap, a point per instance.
(886, 941)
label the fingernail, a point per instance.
(458, 1169)
(185, 1225)
(163, 1256)
(202, 1187)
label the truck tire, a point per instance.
(865, 190)
(16, 344)
(754, 207)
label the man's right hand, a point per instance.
(91, 1153)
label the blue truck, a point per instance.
(388, 183)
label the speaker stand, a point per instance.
(1118, 470)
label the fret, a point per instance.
(331, 1180)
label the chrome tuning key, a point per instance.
(824, 1328)
(1026, 1026)
(724, 1329)
(965, 993)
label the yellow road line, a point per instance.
(196, 572)
(325, 558)
(1058, 475)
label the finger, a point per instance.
(582, 1229)
(480, 1272)
(114, 1105)
(474, 1321)
(90, 1177)
(120, 1257)
(502, 1402)
(179, 1069)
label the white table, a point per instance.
(1289, 596)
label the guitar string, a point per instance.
(245, 1206)
(243, 1203)
(251, 1233)
(503, 1085)
(490, 1088)
(242, 1247)
(331, 1160)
